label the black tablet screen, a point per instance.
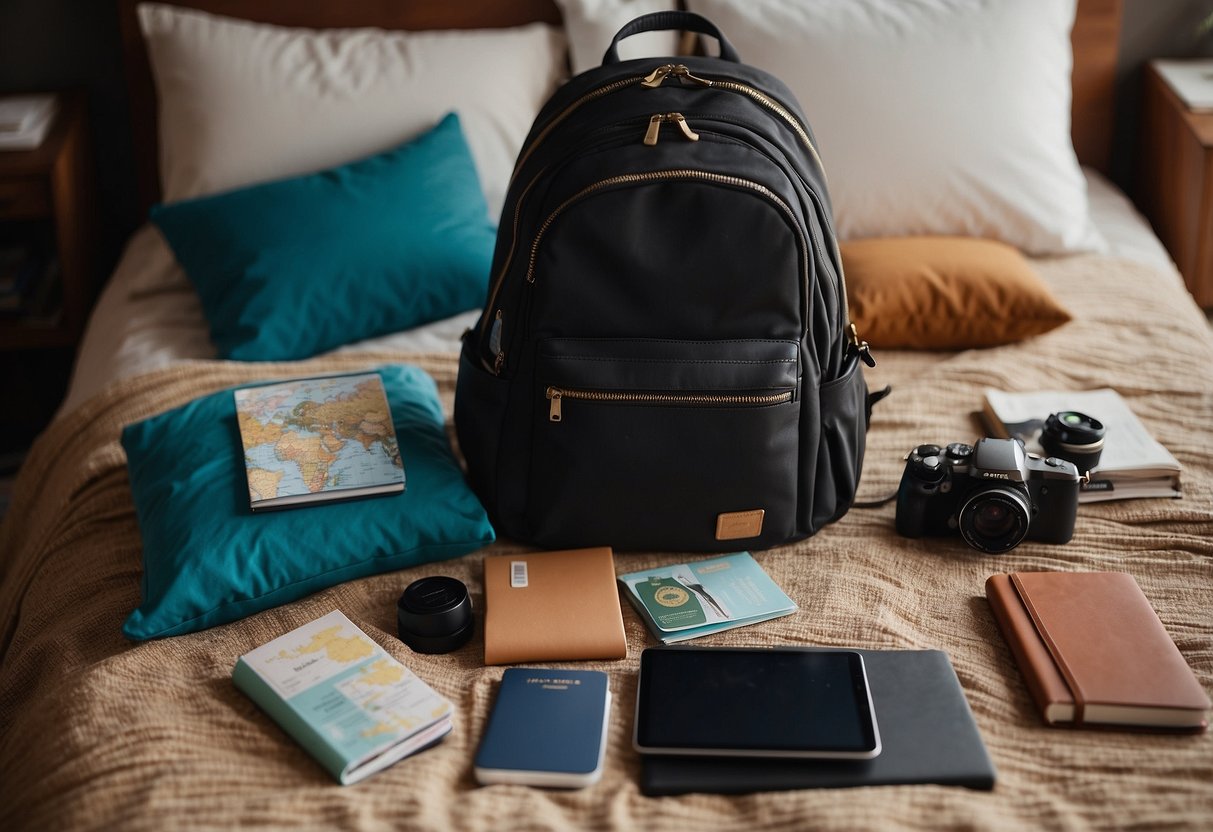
(753, 699)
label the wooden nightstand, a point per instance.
(46, 205)
(1175, 181)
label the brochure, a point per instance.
(689, 600)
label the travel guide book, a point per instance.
(313, 440)
(689, 600)
(342, 697)
(1133, 463)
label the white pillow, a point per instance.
(591, 24)
(245, 102)
(931, 116)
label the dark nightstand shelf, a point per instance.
(1175, 182)
(46, 210)
(46, 203)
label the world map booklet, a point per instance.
(318, 439)
(342, 697)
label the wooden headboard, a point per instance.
(1095, 39)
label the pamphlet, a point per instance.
(1133, 463)
(689, 600)
(342, 697)
(318, 439)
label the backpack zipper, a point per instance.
(681, 71)
(557, 394)
(663, 175)
(495, 289)
(597, 92)
(653, 133)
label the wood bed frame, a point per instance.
(1095, 40)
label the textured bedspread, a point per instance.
(98, 732)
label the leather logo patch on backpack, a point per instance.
(734, 525)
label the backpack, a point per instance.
(664, 360)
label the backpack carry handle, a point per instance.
(661, 21)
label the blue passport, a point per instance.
(548, 728)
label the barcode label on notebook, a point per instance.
(518, 577)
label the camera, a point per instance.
(993, 494)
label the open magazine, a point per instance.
(1133, 463)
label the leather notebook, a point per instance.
(926, 729)
(1093, 651)
(552, 606)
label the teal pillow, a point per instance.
(208, 559)
(292, 268)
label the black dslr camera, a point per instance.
(993, 494)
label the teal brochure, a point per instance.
(689, 600)
(342, 697)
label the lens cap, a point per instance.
(1074, 437)
(434, 615)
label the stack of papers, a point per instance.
(25, 120)
(1191, 80)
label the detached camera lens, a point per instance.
(434, 615)
(995, 520)
(1075, 437)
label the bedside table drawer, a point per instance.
(24, 199)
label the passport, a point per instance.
(552, 607)
(548, 728)
(689, 600)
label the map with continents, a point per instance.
(318, 437)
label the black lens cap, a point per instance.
(1073, 428)
(1074, 437)
(434, 615)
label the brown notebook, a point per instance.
(552, 606)
(1093, 651)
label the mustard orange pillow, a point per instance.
(945, 293)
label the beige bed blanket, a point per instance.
(98, 732)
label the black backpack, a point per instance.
(665, 359)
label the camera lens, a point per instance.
(1075, 437)
(994, 520)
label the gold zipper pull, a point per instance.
(683, 73)
(554, 394)
(678, 119)
(657, 76)
(862, 347)
(650, 136)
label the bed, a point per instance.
(97, 731)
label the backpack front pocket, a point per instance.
(664, 444)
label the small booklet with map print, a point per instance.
(318, 439)
(342, 697)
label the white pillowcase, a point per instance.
(591, 24)
(931, 116)
(245, 102)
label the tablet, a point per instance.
(755, 702)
